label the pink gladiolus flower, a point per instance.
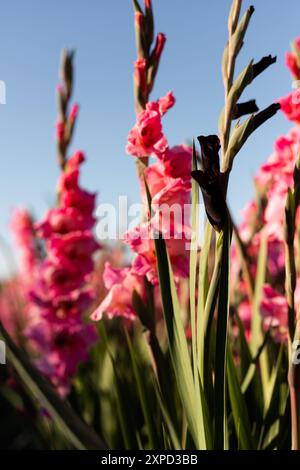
(171, 207)
(63, 349)
(62, 221)
(267, 218)
(65, 309)
(79, 199)
(69, 178)
(274, 213)
(290, 106)
(176, 191)
(274, 311)
(141, 242)
(159, 46)
(23, 229)
(77, 246)
(155, 177)
(147, 137)
(292, 62)
(14, 314)
(140, 74)
(74, 112)
(245, 314)
(59, 298)
(177, 162)
(62, 276)
(121, 283)
(166, 102)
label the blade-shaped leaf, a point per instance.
(75, 431)
(238, 406)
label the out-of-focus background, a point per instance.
(32, 34)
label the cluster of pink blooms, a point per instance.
(60, 296)
(56, 265)
(264, 217)
(22, 226)
(14, 309)
(169, 182)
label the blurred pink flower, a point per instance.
(245, 314)
(63, 347)
(290, 106)
(177, 162)
(140, 74)
(59, 298)
(77, 246)
(141, 241)
(166, 102)
(64, 220)
(23, 229)
(121, 283)
(274, 311)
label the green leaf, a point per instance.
(167, 419)
(238, 406)
(144, 397)
(178, 347)
(194, 263)
(256, 327)
(119, 393)
(223, 247)
(74, 430)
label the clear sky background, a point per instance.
(32, 33)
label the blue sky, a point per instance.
(32, 34)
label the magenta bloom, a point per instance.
(121, 283)
(274, 310)
(166, 102)
(64, 347)
(177, 162)
(141, 242)
(290, 106)
(60, 298)
(146, 137)
(63, 221)
(291, 60)
(23, 229)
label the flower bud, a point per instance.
(159, 47)
(209, 181)
(140, 75)
(73, 112)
